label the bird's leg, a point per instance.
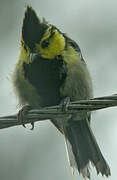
(65, 103)
(22, 115)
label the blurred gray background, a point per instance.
(41, 154)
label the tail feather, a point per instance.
(83, 148)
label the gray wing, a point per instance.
(74, 45)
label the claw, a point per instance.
(24, 125)
(65, 103)
(22, 114)
(32, 126)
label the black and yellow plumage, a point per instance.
(51, 68)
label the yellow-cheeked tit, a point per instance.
(51, 68)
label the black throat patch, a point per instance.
(47, 76)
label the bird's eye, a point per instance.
(45, 43)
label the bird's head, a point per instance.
(40, 38)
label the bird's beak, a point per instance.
(33, 56)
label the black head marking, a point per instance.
(32, 29)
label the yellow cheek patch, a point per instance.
(56, 45)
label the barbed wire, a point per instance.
(56, 111)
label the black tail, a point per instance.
(83, 148)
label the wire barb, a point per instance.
(55, 111)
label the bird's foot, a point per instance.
(65, 103)
(22, 115)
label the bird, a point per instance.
(50, 71)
